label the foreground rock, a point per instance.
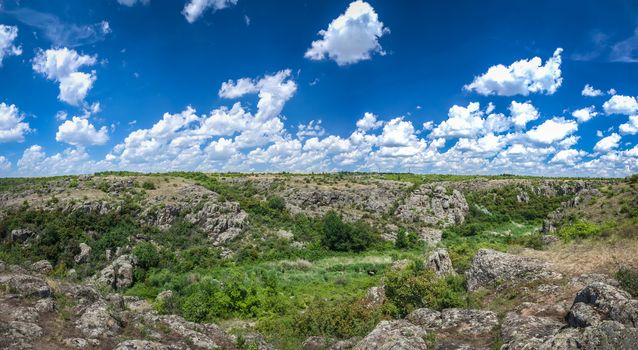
(490, 267)
(458, 328)
(439, 262)
(397, 334)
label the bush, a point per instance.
(147, 255)
(628, 279)
(406, 240)
(276, 203)
(578, 229)
(343, 319)
(341, 236)
(417, 287)
(147, 185)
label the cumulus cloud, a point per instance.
(312, 129)
(568, 156)
(5, 164)
(584, 114)
(461, 122)
(12, 125)
(589, 91)
(7, 35)
(368, 122)
(520, 78)
(195, 8)
(523, 113)
(351, 37)
(79, 132)
(62, 65)
(608, 143)
(552, 130)
(187, 140)
(630, 127)
(619, 104)
(74, 160)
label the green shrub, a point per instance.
(578, 229)
(342, 319)
(276, 203)
(341, 236)
(406, 240)
(147, 255)
(417, 287)
(628, 279)
(147, 185)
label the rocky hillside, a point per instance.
(325, 261)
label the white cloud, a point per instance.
(195, 8)
(589, 91)
(461, 122)
(487, 145)
(351, 37)
(35, 162)
(5, 164)
(312, 129)
(62, 65)
(497, 123)
(520, 78)
(79, 132)
(568, 156)
(630, 127)
(12, 126)
(7, 35)
(619, 104)
(130, 3)
(552, 130)
(523, 113)
(584, 114)
(368, 122)
(608, 143)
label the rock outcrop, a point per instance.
(397, 334)
(119, 273)
(434, 205)
(439, 262)
(490, 267)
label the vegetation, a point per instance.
(628, 279)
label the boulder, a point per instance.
(434, 205)
(526, 332)
(21, 234)
(98, 322)
(119, 273)
(26, 286)
(42, 266)
(83, 256)
(375, 296)
(18, 335)
(198, 335)
(427, 318)
(490, 267)
(600, 301)
(439, 262)
(395, 334)
(469, 322)
(608, 335)
(144, 345)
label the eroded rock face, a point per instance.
(145, 345)
(42, 266)
(98, 322)
(439, 262)
(599, 301)
(434, 205)
(26, 286)
(490, 267)
(458, 328)
(609, 335)
(118, 274)
(222, 222)
(527, 332)
(396, 334)
(85, 252)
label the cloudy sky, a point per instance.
(461, 87)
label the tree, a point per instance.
(341, 236)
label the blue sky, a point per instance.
(218, 85)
